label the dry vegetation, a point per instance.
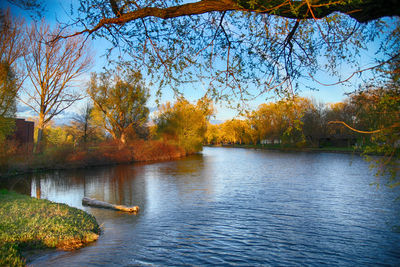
(17, 160)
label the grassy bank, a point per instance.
(106, 153)
(28, 223)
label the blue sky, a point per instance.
(57, 10)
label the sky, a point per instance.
(57, 10)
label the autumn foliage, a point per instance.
(104, 153)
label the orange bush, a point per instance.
(155, 150)
(77, 156)
(67, 156)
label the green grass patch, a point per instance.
(28, 223)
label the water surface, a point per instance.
(231, 206)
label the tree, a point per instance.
(213, 134)
(12, 48)
(120, 101)
(57, 136)
(293, 111)
(53, 67)
(377, 117)
(281, 121)
(184, 123)
(314, 123)
(120, 12)
(265, 43)
(267, 123)
(36, 6)
(8, 91)
(8, 95)
(375, 107)
(243, 43)
(83, 127)
(341, 111)
(235, 131)
(13, 42)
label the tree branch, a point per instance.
(362, 11)
(354, 130)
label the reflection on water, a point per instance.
(230, 206)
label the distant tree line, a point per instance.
(364, 117)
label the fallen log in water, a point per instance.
(101, 204)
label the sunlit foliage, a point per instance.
(119, 101)
(8, 97)
(281, 121)
(83, 127)
(377, 109)
(12, 48)
(13, 44)
(184, 123)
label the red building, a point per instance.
(23, 131)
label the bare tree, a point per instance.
(12, 41)
(53, 67)
(82, 122)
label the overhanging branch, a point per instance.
(362, 11)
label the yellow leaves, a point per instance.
(273, 121)
(120, 101)
(184, 122)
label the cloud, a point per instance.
(24, 111)
(23, 108)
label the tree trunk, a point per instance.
(40, 128)
(101, 204)
(122, 140)
(38, 188)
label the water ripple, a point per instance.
(236, 207)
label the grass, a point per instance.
(28, 223)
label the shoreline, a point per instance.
(90, 163)
(82, 166)
(64, 159)
(339, 150)
(93, 162)
(30, 226)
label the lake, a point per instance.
(230, 206)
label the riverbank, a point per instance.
(192, 206)
(108, 153)
(346, 150)
(28, 224)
